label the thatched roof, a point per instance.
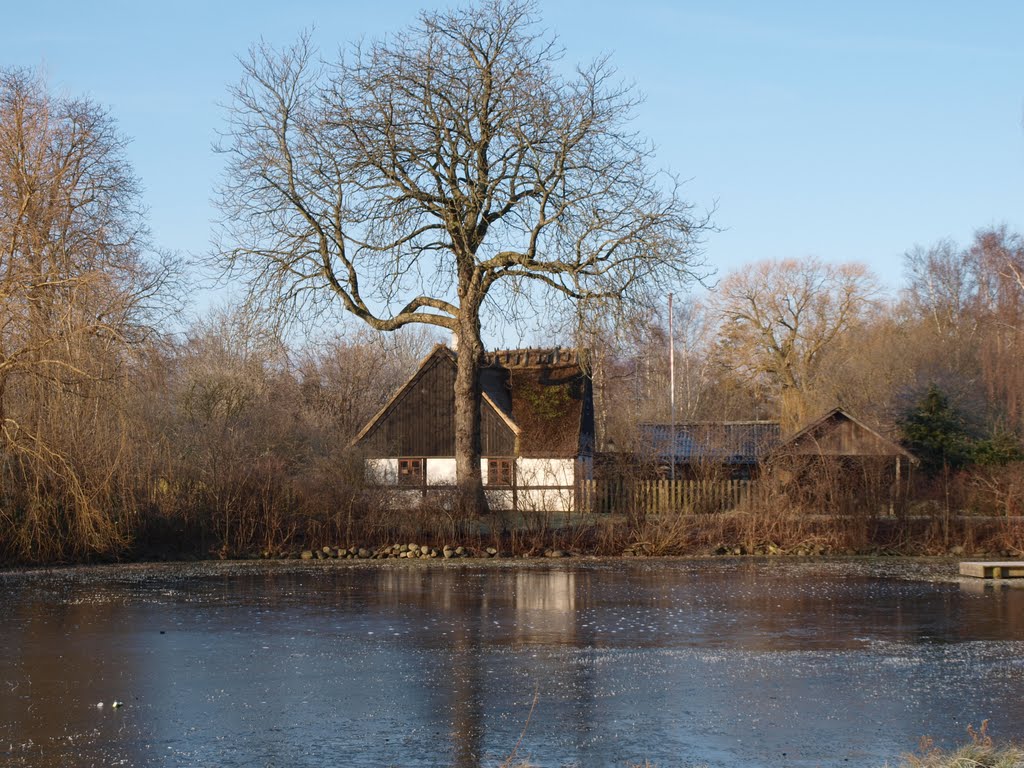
(547, 396)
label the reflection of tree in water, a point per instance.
(520, 607)
(459, 607)
(467, 690)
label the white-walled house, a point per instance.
(537, 430)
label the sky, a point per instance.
(847, 131)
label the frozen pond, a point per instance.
(682, 663)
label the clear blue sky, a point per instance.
(850, 131)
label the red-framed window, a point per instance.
(500, 471)
(412, 471)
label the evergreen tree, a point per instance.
(935, 432)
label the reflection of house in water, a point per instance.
(545, 605)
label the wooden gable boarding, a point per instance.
(420, 419)
(839, 434)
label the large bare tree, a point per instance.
(780, 319)
(442, 170)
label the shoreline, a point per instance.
(931, 568)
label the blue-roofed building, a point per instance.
(739, 445)
(715, 464)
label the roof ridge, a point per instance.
(751, 422)
(534, 356)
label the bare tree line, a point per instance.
(787, 340)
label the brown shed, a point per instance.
(838, 434)
(868, 461)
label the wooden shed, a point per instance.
(870, 462)
(837, 434)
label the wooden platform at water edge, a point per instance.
(993, 570)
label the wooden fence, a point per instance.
(630, 495)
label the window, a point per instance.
(410, 471)
(499, 471)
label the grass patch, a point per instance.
(981, 752)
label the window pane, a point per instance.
(499, 472)
(410, 471)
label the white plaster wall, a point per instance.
(440, 471)
(529, 472)
(499, 500)
(545, 471)
(546, 501)
(534, 472)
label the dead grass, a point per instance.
(981, 752)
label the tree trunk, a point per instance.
(468, 398)
(794, 409)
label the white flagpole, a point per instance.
(672, 387)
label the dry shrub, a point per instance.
(981, 752)
(430, 519)
(829, 485)
(804, 504)
(996, 490)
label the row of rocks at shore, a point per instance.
(642, 549)
(411, 551)
(810, 549)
